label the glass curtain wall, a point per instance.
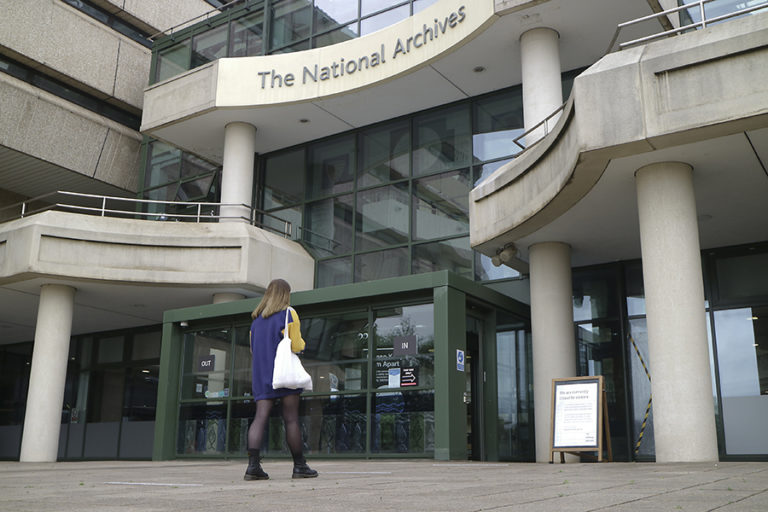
(110, 396)
(514, 389)
(739, 297)
(15, 364)
(369, 396)
(263, 27)
(392, 199)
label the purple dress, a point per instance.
(266, 334)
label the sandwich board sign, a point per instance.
(579, 417)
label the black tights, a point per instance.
(290, 410)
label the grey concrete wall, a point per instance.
(163, 14)
(76, 246)
(51, 129)
(688, 88)
(75, 48)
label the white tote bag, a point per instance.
(288, 372)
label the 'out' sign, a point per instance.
(206, 363)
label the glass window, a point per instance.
(336, 423)
(639, 369)
(328, 226)
(163, 164)
(742, 277)
(172, 61)
(336, 352)
(247, 36)
(331, 167)
(742, 355)
(382, 217)
(334, 272)
(404, 338)
(384, 154)
(210, 45)
(329, 13)
(454, 255)
(241, 378)
(382, 20)
(276, 219)
(442, 140)
(202, 428)
(485, 270)
(205, 370)
(141, 395)
(635, 289)
(403, 422)
(335, 36)
(381, 264)
(146, 345)
(196, 190)
(514, 380)
(441, 205)
(498, 120)
(600, 352)
(192, 165)
(110, 350)
(291, 20)
(284, 179)
(371, 6)
(420, 5)
(595, 294)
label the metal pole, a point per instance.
(198, 212)
(703, 16)
(103, 205)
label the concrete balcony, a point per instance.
(131, 271)
(701, 98)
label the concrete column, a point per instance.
(218, 298)
(237, 172)
(683, 407)
(42, 421)
(542, 85)
(554, 345)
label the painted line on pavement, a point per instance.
(154, 483)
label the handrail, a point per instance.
(99, 203)
(535, 127)
(703, 23)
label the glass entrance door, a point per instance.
(473, 390)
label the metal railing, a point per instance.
(683, 28)
(126, 207)
(544, 122)
(676, 31)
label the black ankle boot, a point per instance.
(254, 471)
(301, 470)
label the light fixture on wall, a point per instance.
(183, 324)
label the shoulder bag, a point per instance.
(288, 372)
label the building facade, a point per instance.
(516, 187)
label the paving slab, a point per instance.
(383, 485)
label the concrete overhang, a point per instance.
(475, 51)
(701, 93)
(130, 271)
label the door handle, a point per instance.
(467, 397)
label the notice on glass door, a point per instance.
(576, 414)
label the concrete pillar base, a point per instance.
(42, 421)
(683, 407)
(554, 349)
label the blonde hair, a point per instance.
(275, 299)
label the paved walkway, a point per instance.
(386, 485)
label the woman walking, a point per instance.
(266, 332)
